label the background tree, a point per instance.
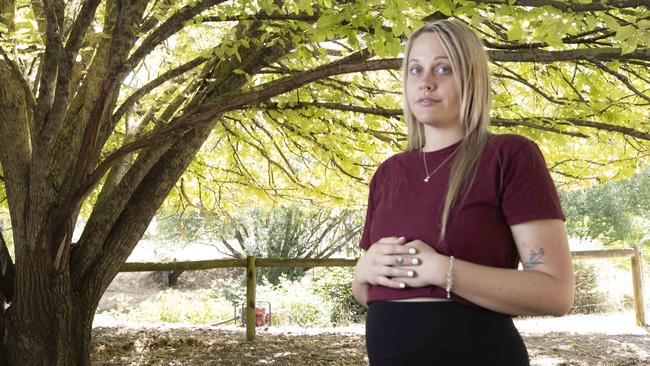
(277, 232)
(104, 105)
(615, 213)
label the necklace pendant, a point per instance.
(426, 180)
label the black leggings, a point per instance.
(441, 333)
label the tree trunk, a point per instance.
(172, 277)
(48, 323)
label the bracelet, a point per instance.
(450, 276)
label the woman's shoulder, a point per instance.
(509, 139)
(396, 159)
(509, 144)
(393, 165)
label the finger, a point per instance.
(412, 246)
(399, 260)
(392, 240)
(393, 272)
(387, 282)
(394, 250)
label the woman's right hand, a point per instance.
(382, 262)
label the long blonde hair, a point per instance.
(471, 73)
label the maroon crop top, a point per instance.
(512, 185)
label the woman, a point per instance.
(450, 218)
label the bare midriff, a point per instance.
(421, 299)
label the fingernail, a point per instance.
(412, 251)
(410, 273)
(402, 285)
(401, 238)
(414, 261)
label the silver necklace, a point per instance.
(426, 168)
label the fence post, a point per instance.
(637, 282)
(250, 298)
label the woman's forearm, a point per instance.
(360, 292)
(513, 292)
(544, 287)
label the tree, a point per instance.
(288, 231)
(614, 212)
(105, 105)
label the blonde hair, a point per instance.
(469, 63)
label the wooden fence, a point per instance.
(251, 263)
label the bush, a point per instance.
(174, 306)
(292, 304)
(589, 299)
(335, 286)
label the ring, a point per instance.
(399, 260)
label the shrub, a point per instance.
(335, 286)
(589, 298)
(174, 306)
(292, 304)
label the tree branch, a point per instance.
(518, 78)
(133, 98)
(527, 122)
(167, 29)
(378, 111)
(50, 62)
(7, 273)
(61, 99)
(568, 6)
(263, 16)
(623, 79)
(80, 27)
(123, 35)
(397, 113)
(588, 54)
(275, 144)
(293, 178)
(356, 62)
(23, 83)
(609, 127)
(513, 46)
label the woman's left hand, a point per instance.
(430, 269)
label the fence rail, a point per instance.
(252, 262)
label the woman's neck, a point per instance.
(439, 138)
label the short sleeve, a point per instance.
(365, 241)
(528, 189)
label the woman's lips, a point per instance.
(425, 102)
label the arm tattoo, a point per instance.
(534, 258)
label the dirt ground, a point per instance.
(577, 340)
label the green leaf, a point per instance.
(611, 22)
(445, 7)
(516, 32)
(326, 20)
(628, 47)
(625, 32)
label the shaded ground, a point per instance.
(224, 347)
(577, 340)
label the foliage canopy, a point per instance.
(110, 108)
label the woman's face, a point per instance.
(431, 92)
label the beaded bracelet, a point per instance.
(450, 276)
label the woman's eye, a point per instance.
(414, 70)
(443, 70)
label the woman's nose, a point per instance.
(427, 82)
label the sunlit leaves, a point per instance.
(613, 212)
(321, 142)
